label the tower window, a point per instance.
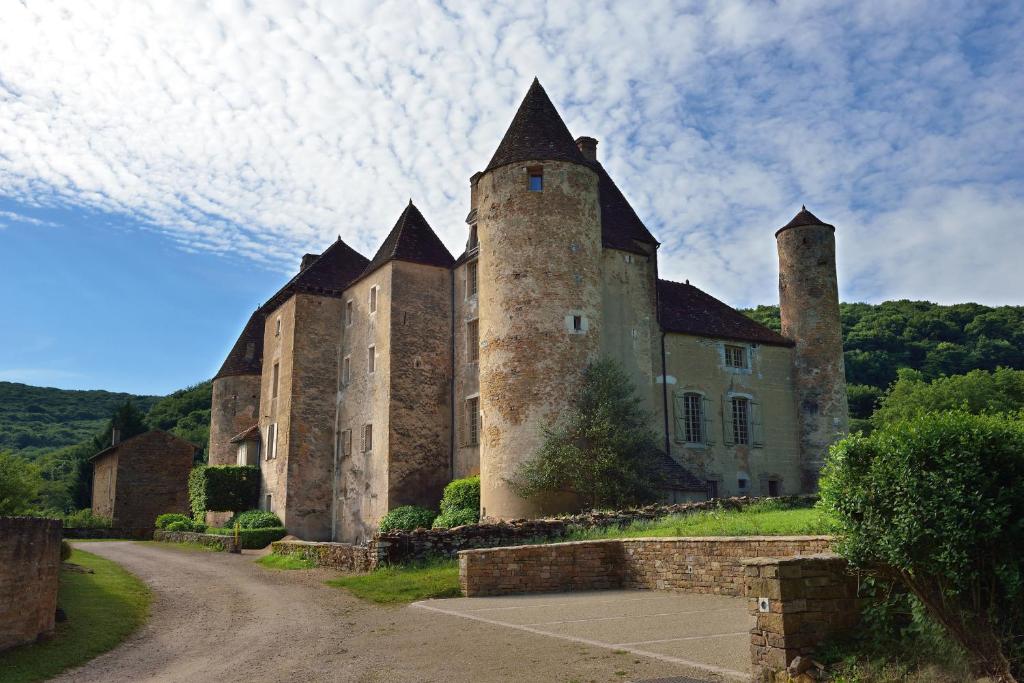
(536, 179)
(275, 380)
(371, 359)
(348, 312)
(735, 356)
(473, 341)
(373, 299)
(471, 279)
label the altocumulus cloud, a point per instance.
(264, 129)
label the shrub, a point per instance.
(65, 551)
(179, 526)
(223, 488)
(456, 517)
(253, 539)
(164, 520)
(255, 519)
(462, 493)
(407, 518)
(936, 503)
(85, 519)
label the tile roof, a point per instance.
(250, 434)
(537, 132)
(804, 217)
(144, 436)
(620, 226)
(328, 275)
(246, 356)
(675, 477)
(686, 309)
(413, 240)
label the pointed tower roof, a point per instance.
(413, 240)
(327, 275)
(246, 356)
(536, 132)
(804, 217)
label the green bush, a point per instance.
(462, 493)
(456, 517)
(162, 521)
(936, 502)
(85, 519)
(407, 518)
(253, 539)
(65, 551)
(179, 526)
(223, 488)
(254, 519)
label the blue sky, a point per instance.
(163, 166)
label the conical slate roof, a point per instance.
(537, 133)
(413, 240)
(328, 275)
(246, 356)
(804, 217)
(620, 226)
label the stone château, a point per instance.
(367, 384)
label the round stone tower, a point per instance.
(809, 306)
(236, 393)
(539, 233)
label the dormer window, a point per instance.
(536, 179)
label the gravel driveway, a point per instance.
(219, 617)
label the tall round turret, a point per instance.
(236, 393)
(809, 306)
(539, 233)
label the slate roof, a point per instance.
(413, 240)
(675, 477)
(250, 434)
(150, 433)
(328, 275)
(804, 217)
(686, 309)
(620, 226)
(246, 356)
(537, 132)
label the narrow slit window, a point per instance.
(577, 323)
(371, 359)
(346, 370)
(346, 442)
(348, 312)
(373, 299)
(367, 438)
(275, 380)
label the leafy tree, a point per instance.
(936, 502)
(979, 391)
(601, 450)
(20, 483)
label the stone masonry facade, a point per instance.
(364, 384)
(29, 572)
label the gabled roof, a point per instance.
(412, 240)
(144, 436)
(684, 308)
(537, 132)
(250, 434)
(246, 356)
(328, 275)
(804, 217)
(620, 226)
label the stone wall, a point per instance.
(210, 540)
(133, 533)
(700, 565)
(343, 556)
(798, 602)
(29, 572)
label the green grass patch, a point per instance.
(760, 519)
(103, 608)
(285, 562)
(391, 585)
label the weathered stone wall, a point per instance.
(539, 265)
(798, 602)
(362, 476)
(233, 409)
(697, 364)
(152, 479)
(696, 565)
(343, 556)
(133, 533)
(809, 306)
(278, 348)
(104, 484)
(29, 573)
(224, 543)
(467, 375)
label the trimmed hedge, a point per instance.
(462, 494)
(252, 539)
(407, 518)
(163, 521)
(223, 488)
(254, 519)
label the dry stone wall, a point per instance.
(29, 572)
(343, 556)
(210, 540)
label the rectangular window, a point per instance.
(536, 180)
(277, 328)
(740, 412)
(371, 359)
(346, 370)
(577, 323)
(471, 279)
(346, 442)
(473, 243)
(712, 489)
(735, 356)
(268, 501)
(373, 299)
(242, 458)
(367, 444)
(275, 377)
(348, 312)
(472, 341)
(272, 442)
(693, 418)
(473, 421)
(773, 487)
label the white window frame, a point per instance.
(374, 296)
(371, 359)
(272, 441)
(728, 352)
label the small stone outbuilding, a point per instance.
(142, 477)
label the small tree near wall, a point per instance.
(601, 450)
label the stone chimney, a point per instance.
(588, 147)
(115, 436)
(307, 260)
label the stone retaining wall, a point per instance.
(343, 556)
(798, 602)
(29, 573)
(702, 565)
(211, 540)
(135, 534)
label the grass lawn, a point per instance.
(391, 585)
(103, 609)
(285, 562)
(760, 519)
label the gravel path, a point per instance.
(220, 617)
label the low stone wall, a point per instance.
(134, 534)
(212, 540)
(343, 556)
(798, 602)
(29, 573)
(702, 565)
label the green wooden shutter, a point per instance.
(727, 421)
(756, 428)
(679, 413)
(707, 413)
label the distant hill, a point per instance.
(35, 420)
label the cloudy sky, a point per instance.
(163, 165)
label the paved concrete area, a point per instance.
(706, 632)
